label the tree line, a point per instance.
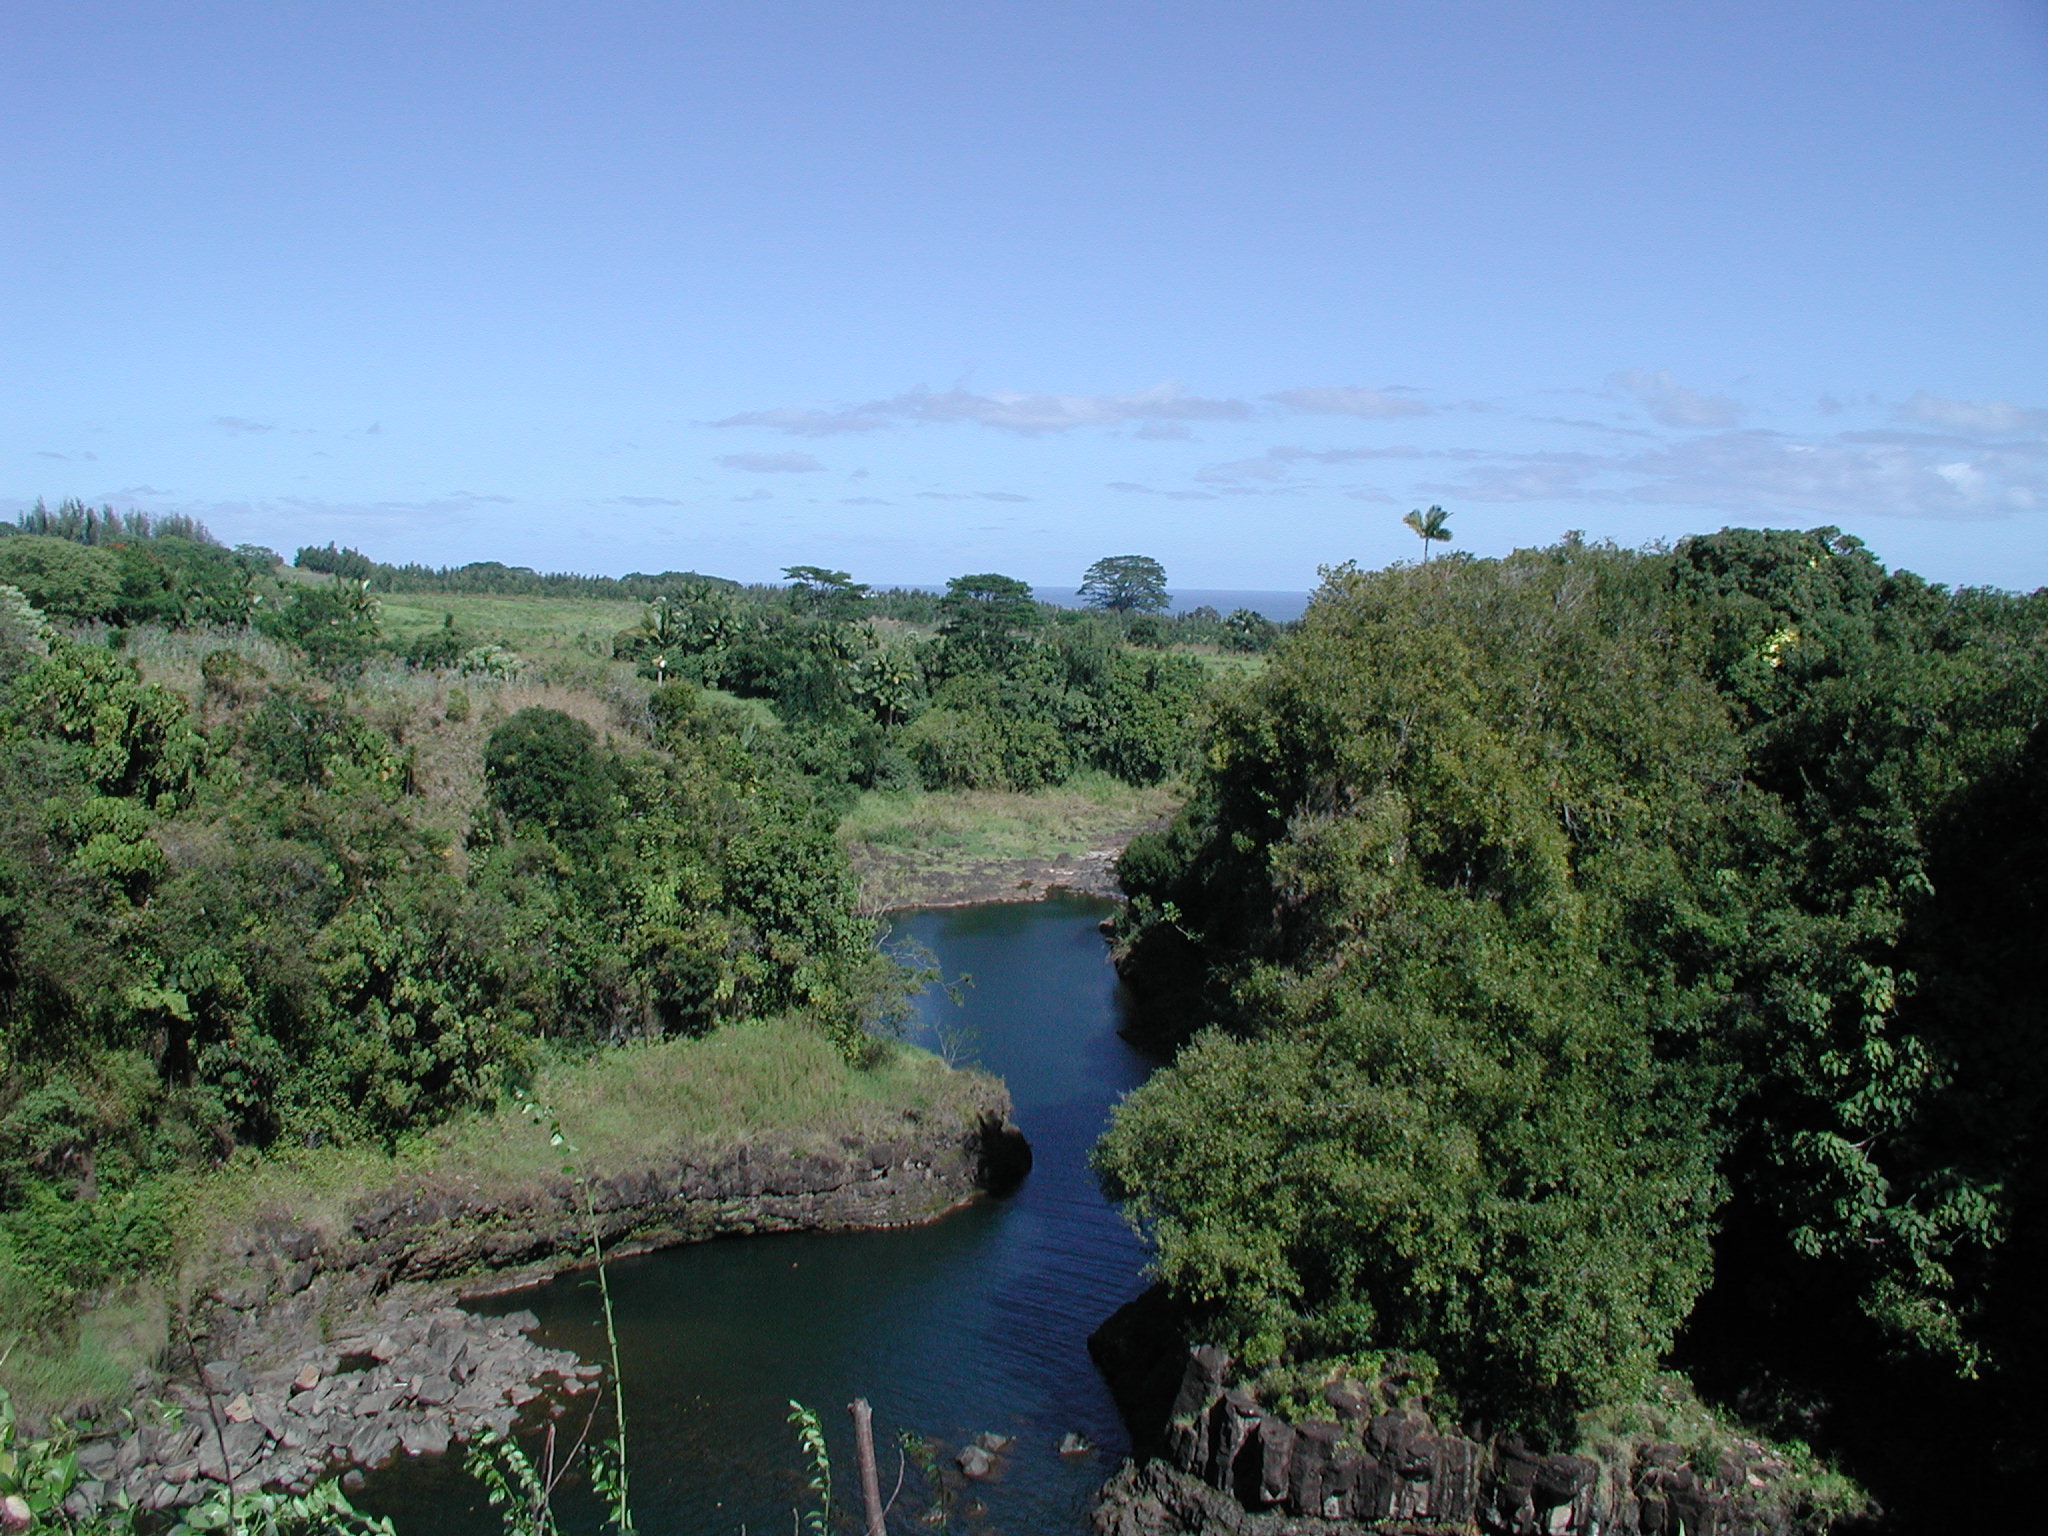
(1002, 692)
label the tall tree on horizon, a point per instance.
(982, 615)
(1429, 527)
(1125, 584)
(834, 594)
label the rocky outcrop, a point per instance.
(430, 1230)
(1229, 1466)
(410, 1386)
(896, 879)
(340, 1346)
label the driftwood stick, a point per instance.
(864, 1453)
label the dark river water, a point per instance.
(976, 1322)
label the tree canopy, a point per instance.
(834, 594)
(1559, 917)
(1125, 584)
(982, 614)
(1430, 527)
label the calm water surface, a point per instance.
(977, 1322)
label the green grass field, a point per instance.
(917, 848)
(522, 623)
(1055, 823)
(1227, 664)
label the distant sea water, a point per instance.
(1280, 607)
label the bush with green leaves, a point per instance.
(73, 581)
(129, 568)
(334, 623)
(1246, 630)
(543, 769)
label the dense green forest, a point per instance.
(271, 876)
(1604, 954)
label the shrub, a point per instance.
(74, 581)
(542, 768)
(335, 624)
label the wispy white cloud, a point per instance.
(1237, 471)
(1029, 415)
(1762, 473)
(1133, 488)
(1375, 404)
(772, 463)
(647, 501)
(76, 458)
(1763, 470)
(1900, 437)
(1530, 477)
(1584, 424)
(1278, 463)
(1671, 404)
(812, 423)
(1978, 418)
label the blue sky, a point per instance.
(922, 288)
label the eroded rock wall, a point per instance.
(1229, 1467)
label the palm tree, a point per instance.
(1429, 527)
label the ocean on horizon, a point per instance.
(1280, 607)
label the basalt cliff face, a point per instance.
(1220, 1463)
(334, 1348)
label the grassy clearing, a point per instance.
(1671, 1413)
(924, 848)
(759, 711)
(975, 825)
(763, 1083)
(94, 1364)
(443, 719)
(1238, 666)
(524, 623)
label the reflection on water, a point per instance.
(977, 1322)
